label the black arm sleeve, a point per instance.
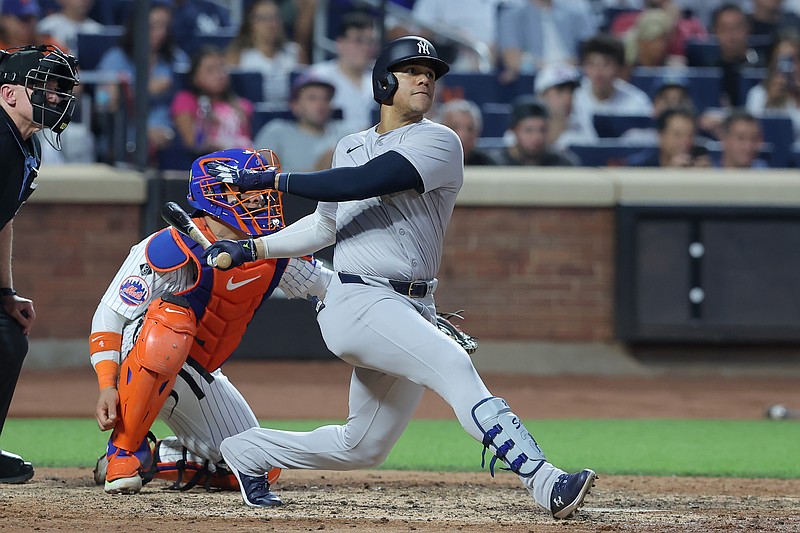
(386, 174)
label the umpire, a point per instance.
(36, 84)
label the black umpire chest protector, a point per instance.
(21, 159)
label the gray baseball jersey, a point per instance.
(399, 236)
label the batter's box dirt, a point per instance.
(392, 501)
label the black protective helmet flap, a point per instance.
(401, 50)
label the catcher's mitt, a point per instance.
(468, 342)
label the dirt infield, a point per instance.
(67, 499)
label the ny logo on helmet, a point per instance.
(423, 48)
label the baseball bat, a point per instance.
(175, 216)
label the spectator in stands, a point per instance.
(647, 42)
(464, 117)
(18, 25)
(18, 21)
(529, 124)
(165, 62)
(555, 86)
(351, 71)
(780, 90)
(538, 32)
(193, 18)
(306, 143)
(262, 46)
(730, 26)
(66, 24)
(768, 18)
(602, 90)
(683, 25)
(741, 142)
(676, 141)
(672, 92)
(209, 116)
(474, 20)
(298, 16)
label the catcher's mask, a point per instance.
(257, 212)
(51, 75)
(402, 50)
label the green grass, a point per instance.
(750, 448)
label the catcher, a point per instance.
(168, 322)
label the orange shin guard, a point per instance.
(148, 373)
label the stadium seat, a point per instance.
(778, 133)
(262, 116)
(248, 84)
(483, 88)
(265, 113)
(92, 46)
(705, 52)
(495, 119)
(705, 83)
(611, 126)
(219, 39)
(605, 153)
(749, 78)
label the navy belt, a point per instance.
(412, 289)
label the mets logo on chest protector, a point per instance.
(134, 290)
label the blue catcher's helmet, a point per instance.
(257, 212)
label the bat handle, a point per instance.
(224, 260)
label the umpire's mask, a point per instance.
(51, 75)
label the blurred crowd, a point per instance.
(660, 83)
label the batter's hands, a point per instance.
(240, 251)
(106, 410)
(21, 309)
(244, 179)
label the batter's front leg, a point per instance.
(380, 408)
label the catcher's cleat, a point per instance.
(123, 470)
(255, 490)
(14, 469)
(569, 492)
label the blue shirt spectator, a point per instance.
(540, 32)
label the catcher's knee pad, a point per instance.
(148, 373)
(506, 437)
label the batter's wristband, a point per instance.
(282, 181)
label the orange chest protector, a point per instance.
(223, 301)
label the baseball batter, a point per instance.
(168, 321)
(386, 205)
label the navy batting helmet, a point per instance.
(384, 83)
